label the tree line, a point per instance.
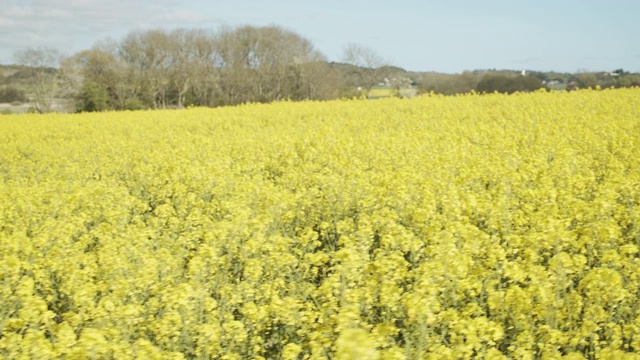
(183, 67)
(510, 81)
(157, 68)
(160, 68)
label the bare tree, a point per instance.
(149, 55)
(370, 67)
(159, 68)
(43, 66)
(267, 64)
(71, 80)
(312, 78)
(182, 70)
(193, 58)
(240, 64)
(205, 68)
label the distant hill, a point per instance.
(16, 92)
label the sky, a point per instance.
(448, 36)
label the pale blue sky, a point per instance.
(437, 35)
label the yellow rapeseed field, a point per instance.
(476, 226)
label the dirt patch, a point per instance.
(7, 108)
(14, 109)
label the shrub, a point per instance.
(92, 98)
(11, 94)
(134, 104)
(508, 85)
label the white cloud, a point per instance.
(73, 25)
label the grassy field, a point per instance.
(385, 92)
(6, 109)
(59, 105)
(466, 227)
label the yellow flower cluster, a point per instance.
(487, 227)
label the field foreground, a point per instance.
(438, 227)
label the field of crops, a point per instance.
(487, 227)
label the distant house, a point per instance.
(400, 86)
(555, 84)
